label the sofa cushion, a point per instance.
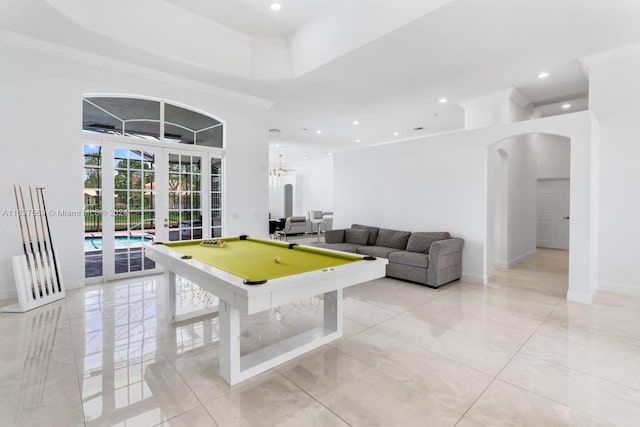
(345, 247)
(421, 241)
(373, 232)
(414, 259)
(353, 235)
(298, 219)
(334, 236)
(393, 238)
(377, 251)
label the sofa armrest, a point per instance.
(334, 236)
(445, 261)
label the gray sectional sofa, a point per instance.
(429, 258)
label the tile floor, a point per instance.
(513, 352)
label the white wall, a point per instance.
(317, 183)
(521, 198)
(41, 111)
(441, 183)
(554, 156)
(502, 107)
(614, 94)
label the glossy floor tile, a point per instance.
(511, 353)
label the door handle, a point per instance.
(565, 217)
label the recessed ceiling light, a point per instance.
(329, 154)
(318, 131)
(275, 6)
(304, 158)
(543, 75)
(396, 134)
(355, 122)
(565, 106)
(277, 145)
(357, 140)
(442, 100)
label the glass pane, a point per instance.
(149, 201)
(185, 163)
(135, 180)
(92, 178)
(185, 182)
(216, 200)
(182, 125)
(174, 163)
(120, 200)
(120, 180)
(195, 182)
(210, 137)
(92, 155)
(216, 183)
(96, 120)
(143, 129)
(149, 180)
(107, 114)
(135, 200)
(195, 164)
(216, 218)
(216, 166)
(177, 134)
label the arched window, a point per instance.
(150, 120)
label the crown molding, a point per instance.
(605, 57)
(53, 49)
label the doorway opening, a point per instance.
(518, 167)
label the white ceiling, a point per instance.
(325, 63)
(255, 18)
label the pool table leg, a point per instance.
(229, 322)
(333, 311)
(170, 295)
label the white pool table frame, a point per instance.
(236, 298)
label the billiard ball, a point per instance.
(276, 259)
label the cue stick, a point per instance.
(44, 239)
(53, 252)
(45, 271)
(35, 259)
(24, 243)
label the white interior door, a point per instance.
(553, 213)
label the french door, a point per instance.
(146, 192)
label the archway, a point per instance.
(515, 166)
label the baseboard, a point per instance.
(474, 278)
(8, 294)
(580, 297)
(620, 288)
(521, 258)
(73, 284)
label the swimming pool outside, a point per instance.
(95, 243)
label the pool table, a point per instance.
(250, 275)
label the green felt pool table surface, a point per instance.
(252, 259)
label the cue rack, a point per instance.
(36, 271)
